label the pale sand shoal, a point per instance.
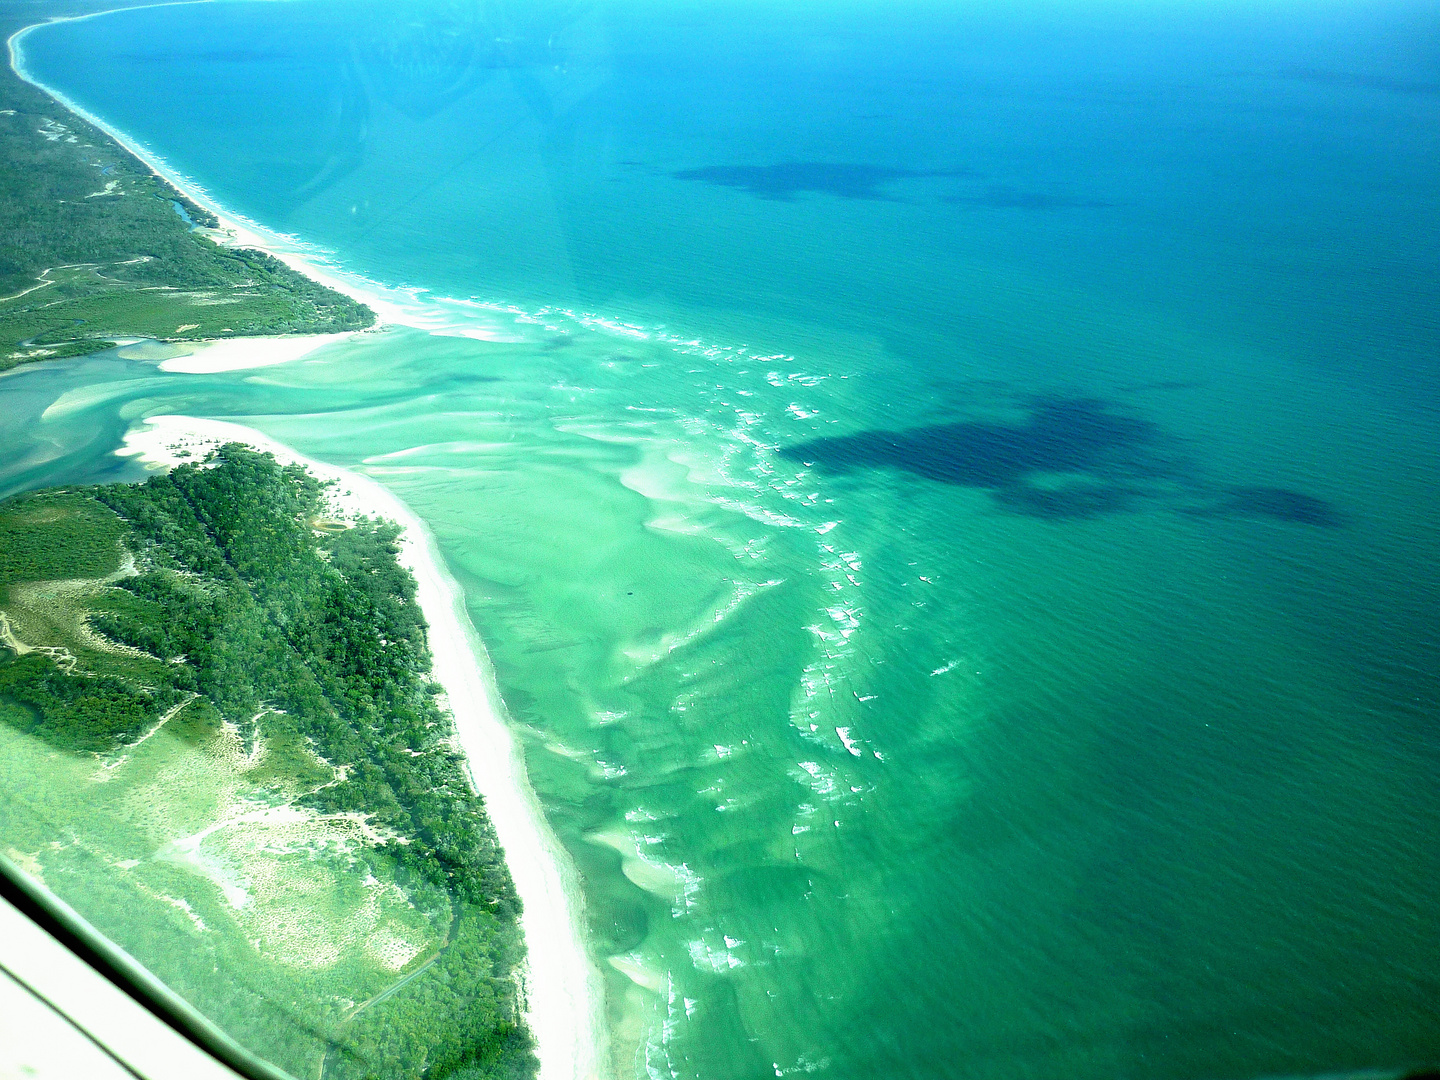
(564, 1007)
(243, 353)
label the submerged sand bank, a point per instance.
(564, 1006)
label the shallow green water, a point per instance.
(988, 630)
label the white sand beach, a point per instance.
(445, 316)
(229, 354)
(565, 995)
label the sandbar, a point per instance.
(243, 353)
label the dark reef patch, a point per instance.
(1105, 461)
(1279, 504)
(1073, 501)
(1070, 458)
(784, 182)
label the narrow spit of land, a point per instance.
(95, 247)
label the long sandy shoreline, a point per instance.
(564, 991)
(241, 231)
(565, 995)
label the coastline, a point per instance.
(563, 989)
(234, 229)
(393, 306)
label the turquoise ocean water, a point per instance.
(950, 490)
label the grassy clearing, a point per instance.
(264, 920)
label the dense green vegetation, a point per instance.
(92, 247)
(267, 609)
(81, 538)
(248, 609)
(80, 711)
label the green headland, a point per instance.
(221, 743)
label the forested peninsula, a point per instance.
(94, 246)
(220, 741)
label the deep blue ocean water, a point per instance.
(955, 509)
